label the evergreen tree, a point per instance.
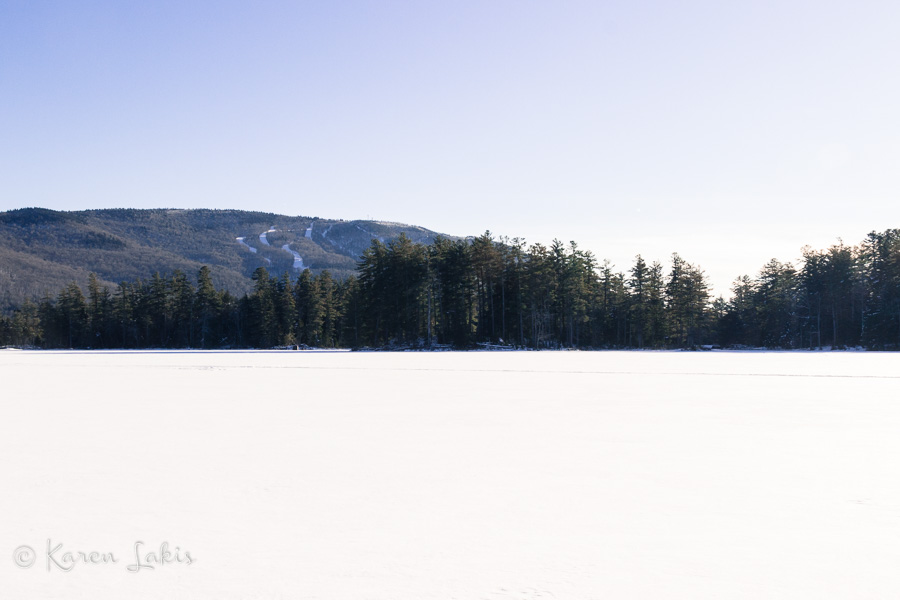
(330, 309)
(839, 283)
(656, 307)
(637, 285)
(486, 264)
(309, 309)
(182, 309)
(775, 298)
(349, 310)
(99, 308)
(456, 282)
(687, 296)
(262, 318)
(285, 311)
(206, 307)
(880, 256)
(24, 329)
(541, 289)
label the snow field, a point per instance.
(506, 475)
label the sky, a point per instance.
(729, 132)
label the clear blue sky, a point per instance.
(729, 132)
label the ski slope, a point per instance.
(263, 239)
(241, 241)
(298, 260)
(504, 475)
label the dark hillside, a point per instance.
(41, 250)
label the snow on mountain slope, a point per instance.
(246, 245)
(262, 237)
(298, 260)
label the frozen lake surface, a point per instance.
(520, 475)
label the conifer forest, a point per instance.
(485, 292)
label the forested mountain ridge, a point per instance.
(41, 250)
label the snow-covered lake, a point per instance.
(552, 475)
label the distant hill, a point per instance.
(42, 250)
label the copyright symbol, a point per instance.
(24, 556)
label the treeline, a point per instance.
(171, 312)
(485, 291)
(840, 297)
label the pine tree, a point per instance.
(687, 296)
(182, 310)
(99, 303)
(486, 263)
(541, 285)
(775, 297)
(656, 309)
(349, 309)
(308, 306)
(880, 256)
(637, 285)
(206, 307)
(262, 318)
(330, 309)
(25, 327)
(285, 311)
(74, 315)
(839, 286)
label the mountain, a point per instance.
(43, 250)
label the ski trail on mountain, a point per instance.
(298, 260)
(263, 239)
(262, 236)
(241, 241)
